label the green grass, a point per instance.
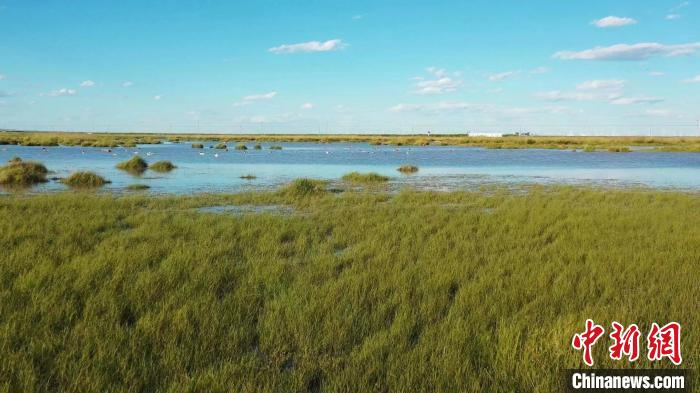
(198, 146)
(589, 149)
(84, 180)
(241, 146)
(619, 149)
(135, 164)
(301, 188)
(18, 173)
(407, 169)
(162, 166)
(463, 291)
(365, 178)
(137, 187)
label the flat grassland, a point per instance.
(462, 291)
(685, 144)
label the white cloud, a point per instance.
(503, 75)
(157, 98)
(641, 51)
(307, 105)
(60, 93)
(635, 100)
(613, 21)
(311, 46)
(695, 79)
(591, 90)
(127, 84)
(264, 96)
(672, 16)
(2, 77)
(87, 83)
(673, 12)
(656, 73)
(458, 106)
(539, 70)
(658, 112)
(247, 100)
(442, 83)
(558, 95)
(358, 17)
(604, 84)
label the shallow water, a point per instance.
(441, 167)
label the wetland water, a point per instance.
(441, 167)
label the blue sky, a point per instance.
(566, 67)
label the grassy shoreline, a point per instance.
(459, 291)
(667, 144)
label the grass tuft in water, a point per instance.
(619, 149)
(135, 164)
(15, 160)
(84, 180)
(257, 146)
(275, 147)
(365, 178)
(241, 146)
(406, 169)
(248, 177)
(221, 146)
(198, 146)
(137, 187)
(162, 166)
(22, 173)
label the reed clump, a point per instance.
(408, 169)
(241, 146)
(137, 187)
(198, 146)
(135, 164)
(84, 180)
(365, 178)
(248, 177)
(275, 147)
(304, 187)
(162, 166)
(22, 173)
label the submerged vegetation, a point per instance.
(162, 166)
(137, 187)
(462, 291)
(84, 180)
(657, 143)
(18, 173)
(275, 147)
(365, 178)
(406, 169)
(135, 164)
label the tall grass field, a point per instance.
(415, 291)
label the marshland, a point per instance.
(328, 267)
(368, 291)
(214, 166)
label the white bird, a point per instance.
(201, 154)
(215, 155)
